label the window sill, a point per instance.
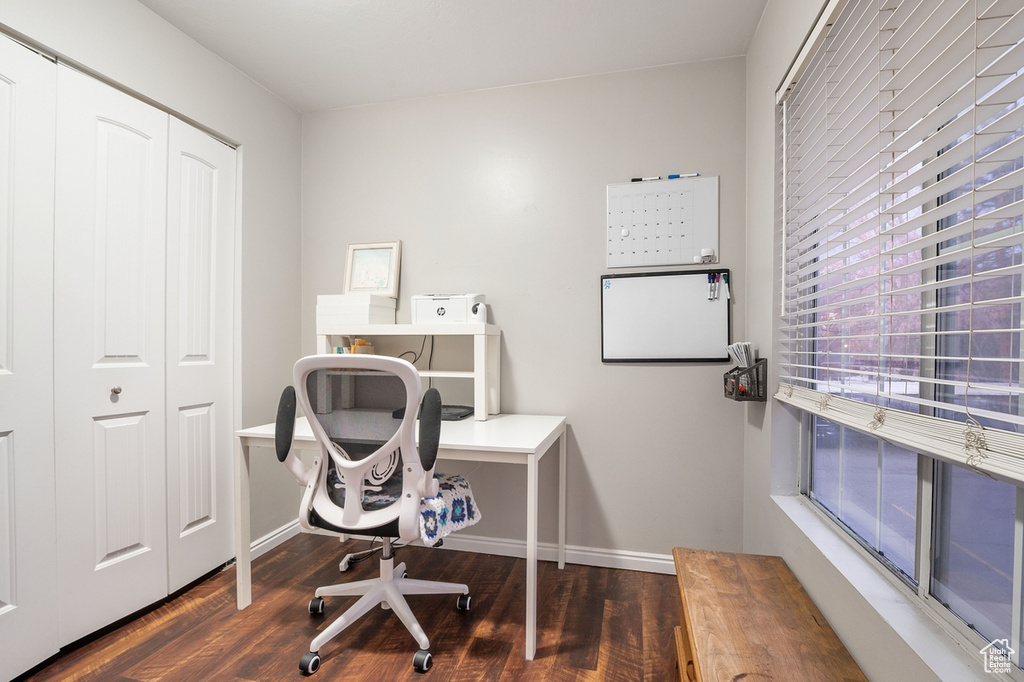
(888, 632)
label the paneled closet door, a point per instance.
(109, 256)
(200, 327)
(28, 544)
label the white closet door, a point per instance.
(28, 545)
(109, 256)
(200, 298)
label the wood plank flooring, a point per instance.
(593, 624)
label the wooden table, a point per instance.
(746, 616)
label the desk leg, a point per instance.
(243, 560)
(561, 500)
(531, 558)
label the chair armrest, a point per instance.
(284, 430)
(430, 428)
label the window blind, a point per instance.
(902, 136)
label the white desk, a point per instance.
(504, 438)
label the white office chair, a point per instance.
(369, 479)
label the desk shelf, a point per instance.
(442, 374)
(486, 372)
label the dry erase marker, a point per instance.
(711, 280)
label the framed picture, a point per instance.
(373, 268)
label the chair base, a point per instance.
(389, 590)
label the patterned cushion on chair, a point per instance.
(452, 509)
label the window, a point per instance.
(972, 569)
(901, 130)
(870, 487)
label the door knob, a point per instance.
(116, 390)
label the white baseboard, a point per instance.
(546, 551)
(272, 539)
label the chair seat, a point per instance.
(452, 509)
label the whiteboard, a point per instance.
(662, 222)
(665, 317)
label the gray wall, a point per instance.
(779, 36)
(503, 192)
(129, 45)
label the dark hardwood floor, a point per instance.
(593, 624)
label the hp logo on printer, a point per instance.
(441, 311)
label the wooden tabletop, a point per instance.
(747, 617)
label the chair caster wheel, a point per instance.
(463, 603)
(316, 605)
(422, 661)
(310, 663)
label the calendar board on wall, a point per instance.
(662, 222)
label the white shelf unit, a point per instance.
(486, 372)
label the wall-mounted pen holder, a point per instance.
(747, 383)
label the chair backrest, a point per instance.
(370, 476)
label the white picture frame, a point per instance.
(373, 268)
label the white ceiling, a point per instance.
(326, 54)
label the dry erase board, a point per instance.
(662, 222)
(665, 317)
